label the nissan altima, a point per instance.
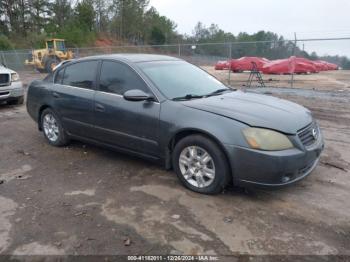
(165, 109)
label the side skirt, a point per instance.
(116, 148)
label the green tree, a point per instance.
(158, 29)
(127, 18)
(5, 43)
(15, 14)
(38, 9)
(61, 14)
(102, 21)
(85, 15)
(157, 36)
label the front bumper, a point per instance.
(273, 168)
(12, 91)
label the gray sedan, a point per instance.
(167, 110)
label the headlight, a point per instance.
(14, 77)
(265, 139)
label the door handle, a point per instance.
(55, 95)
(99, 108)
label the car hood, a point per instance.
(256, 110)
(5, 70)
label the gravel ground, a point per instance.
(86, 200)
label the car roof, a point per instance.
(134, 58)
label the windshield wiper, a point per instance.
(192, 96)
(187, 97)
(219, 91)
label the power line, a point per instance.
(325, 31)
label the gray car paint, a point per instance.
(148, 128)
(127, 124)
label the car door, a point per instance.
(73, 95)
(127, 124)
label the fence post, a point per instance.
(4, 59)
(19, 64)
(179, 50)
(76, 52)
(229, 61)
(295, 46)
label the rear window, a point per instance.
(50, 44)
(81, 74)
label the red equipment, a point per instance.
(292, 65)
(245, 63)
(222, 65)
(280, 66)
(304, 66)
(321, 65)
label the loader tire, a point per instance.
(50, 64)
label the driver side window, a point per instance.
(118, 78)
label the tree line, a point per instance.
(26, 24)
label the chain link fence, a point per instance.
(206, 55)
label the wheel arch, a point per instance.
(180, 134)
(41, 110)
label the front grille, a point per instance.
(4, 79)
(4, 93)
(309, 134)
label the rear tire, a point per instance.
(41, 70)
(206, 171)
(52, 128)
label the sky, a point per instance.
(307, 18)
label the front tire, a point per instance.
(201, 165)
(52, 128)
(41, 70)
(51, 63)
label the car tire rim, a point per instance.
(51, 127)
(197, 166)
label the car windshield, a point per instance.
(60, 46)
(50, 44)
(179, 79)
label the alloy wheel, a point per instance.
(50, 127)
(197, 166)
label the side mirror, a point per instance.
(137, 95)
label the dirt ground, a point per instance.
(86, 200)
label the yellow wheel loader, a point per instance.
(45, 60)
